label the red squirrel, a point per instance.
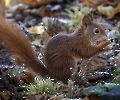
(60, 51)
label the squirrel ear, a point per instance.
(87, 20)
(90, 16)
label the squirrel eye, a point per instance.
(96, 30)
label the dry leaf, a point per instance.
(55, 25)
(111, 2)
(92, 3)
(16, 8)
(41, 40)
(37, 29)
(109, 11)
(88, 66)
(43, 12)
(94, 62)
(35, 3)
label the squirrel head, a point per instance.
(93, 31)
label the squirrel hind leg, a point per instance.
(62, 69)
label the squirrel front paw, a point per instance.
(103, 46)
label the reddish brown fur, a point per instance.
(60, 51)
(18, 44)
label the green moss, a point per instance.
(76, 14)
(43, 86)
(116, 76)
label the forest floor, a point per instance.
(40, 20)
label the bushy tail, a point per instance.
(18, 44)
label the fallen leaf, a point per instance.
(95, 62)
(36, 29)
(111, 2)
(34, 3)
(109, 11)
(92, 3)
(55, 25)
(43, 12)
